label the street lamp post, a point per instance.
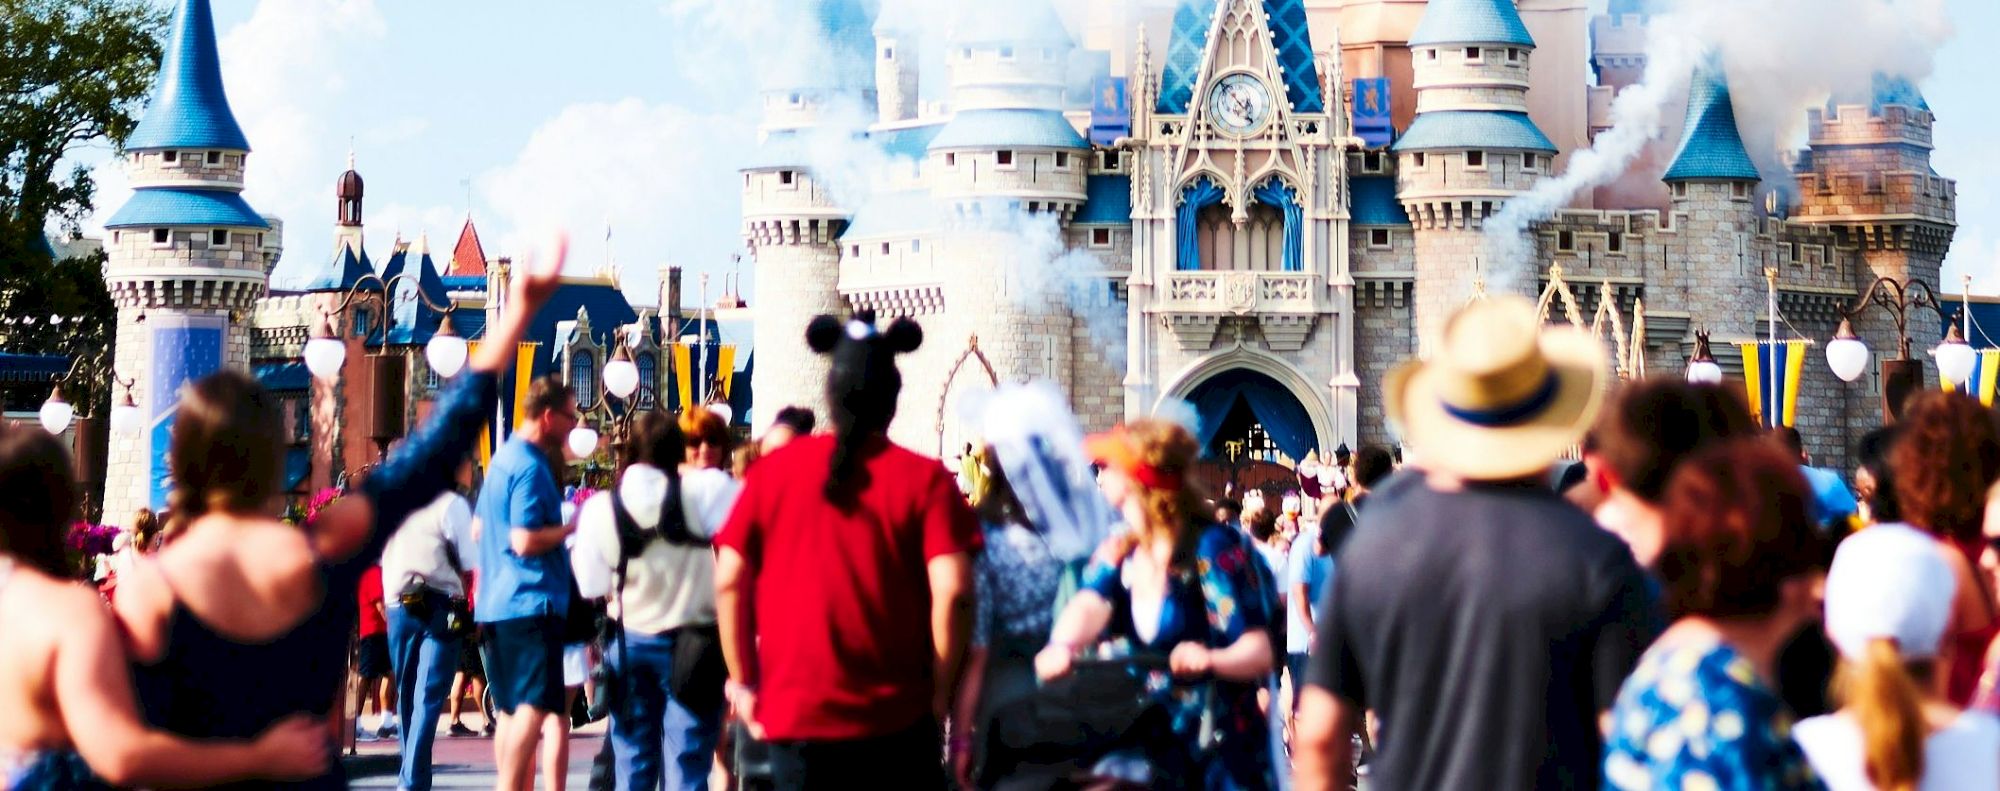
(1848, 356)
(621, 381)
(325, 353)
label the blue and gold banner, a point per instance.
(1771, 375)
(185, 349)
(1110, 116)
(1985, 372)
(1372, 121)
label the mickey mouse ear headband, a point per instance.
(825, 333)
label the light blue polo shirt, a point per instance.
(520, 492)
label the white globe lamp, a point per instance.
(1955, 358)
(582, 442)
(126, 419)
(722, 411)
(325, 354)
(1702, 368)
(57, 413)
(446, 351)
(621, 376)
(1846, 354)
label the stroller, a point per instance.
(1098, 726)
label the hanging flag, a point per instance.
(524, 375)
(725, 364)
(683, 376)
(1110, 118)
(1771, 375)
(486, 433)
(1985, 372)
(1372, 120)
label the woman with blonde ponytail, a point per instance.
(1888, 601)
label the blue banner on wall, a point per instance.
(185, 349)
(1371, 111)
(1110, 115)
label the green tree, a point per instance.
(74, 74)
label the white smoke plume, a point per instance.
(1781, 57)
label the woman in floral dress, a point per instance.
(1182, 587)
(1739, 563)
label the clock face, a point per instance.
(1239, 103)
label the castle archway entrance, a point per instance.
(1254, 422)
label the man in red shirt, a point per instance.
(844, 585)
(372, 657)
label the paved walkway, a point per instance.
(464, 762)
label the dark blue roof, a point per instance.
(340, 274)
(283, 377)
(605, 303)
(1884, 90)
(1295, 54)
(1375, 203)
(1473, 129)
(412, 320)
(1471, 22)
(191, 110)
(32, 368)
(1184, 51)
(1711, 149)
(1288, 33)
(1001, 128)
(1108, 201)
(911, 142)
(837, 52)
(158, 206)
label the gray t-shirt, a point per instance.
(1487, 628)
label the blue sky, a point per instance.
(634, 112)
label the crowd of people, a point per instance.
(1558, 582)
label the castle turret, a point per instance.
(188, 256)
(1868, 176)
(791, 220)
(1713, 184)
(1470, 148)
(896, 75)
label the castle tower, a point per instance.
(335, 448)
(1470, 148)
(1868, 176)
(1713, 185)
(188, 257)
(790, 219)
(347, 224)
(1008, 171)
(1618, 58)
(896, 80)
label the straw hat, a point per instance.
(1503, 397)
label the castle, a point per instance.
(1241, 243)
(1291, 195)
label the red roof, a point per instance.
(468, 258)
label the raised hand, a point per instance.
(538, 277)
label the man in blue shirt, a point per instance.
(1833, 503)
(524, 582)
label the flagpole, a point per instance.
(701, 350)
(1771, 302)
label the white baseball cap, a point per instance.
(1889, 581)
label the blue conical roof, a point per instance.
(1471, 22)
(347, 268)
(1884, 90)
(191, 110)
(1711, 147)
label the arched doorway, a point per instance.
(1251, 428)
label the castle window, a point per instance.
(1100, 237)
(1615, 242)
(1473, 55)
(795, 100)
(162, 237)
(1566, 241)
(302, 420)
(1371, 162)
(1475, 160)
(1432, 54)
(1826, 254)
(1048, 54)
(1378, 238)
(170, 157)
(1680, 189)
(951, 160)
(1513, 54)
(1792, 251)
(1530, 162)
(1417, 161)
(786, 177)
(361, 324)
(965, 54)
(218, 238)
(885, 248)
(1062, 160)
(888, 53)
(115, 236)
(1005, 158)
(649, 379)
(431, 379)
(583, 375)
(1006, 53)
(1739, 191)
(854, 251)
(214, 158)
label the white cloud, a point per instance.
(400, 130)
(662, 177)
